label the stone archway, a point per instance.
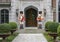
(31, 13)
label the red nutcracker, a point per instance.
(39, 18)
(21, 18)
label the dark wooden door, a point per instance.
(31, 15)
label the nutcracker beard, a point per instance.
(22, 18)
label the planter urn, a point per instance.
(54, 35)
(4, 36)
(46, 30)
(12, 31)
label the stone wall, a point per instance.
(41, 5)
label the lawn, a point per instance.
(49, 38)
(10, 38)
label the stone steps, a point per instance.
(31, 31)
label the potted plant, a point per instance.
(4, 31)
(46, 25)
(53, 30)
(58, 31)
(13, 26)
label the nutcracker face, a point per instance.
(21, 14)
(39, 14)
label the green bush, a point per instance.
(13, 25)
(4, 28)
(46, 25)
(58, 30)
(53, 27)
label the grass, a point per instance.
(58, 38)
(10, 38)
(49, 38)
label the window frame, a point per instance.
(5, 13)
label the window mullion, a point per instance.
(4, 16)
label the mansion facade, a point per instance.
(10, 10)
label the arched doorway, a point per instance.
(30, 16)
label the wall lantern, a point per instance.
(17, 12)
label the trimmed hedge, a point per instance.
(13, 25)
(46, 25)
(4, 28)
(53, 27)
(58, 30)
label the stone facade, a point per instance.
(41, 5)
(47, 6)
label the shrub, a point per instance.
(4, 28)
(13, 25)
(58, 30)
(46, 25)
(53, 27)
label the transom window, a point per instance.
(4, 16)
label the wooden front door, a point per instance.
(31, 15)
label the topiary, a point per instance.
(13, 25)
(53, 27)
(4, 28)
(46, 25)
(58, 30)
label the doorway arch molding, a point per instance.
(31, 7)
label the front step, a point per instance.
(31, 31)
(31, 28)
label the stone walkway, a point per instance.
(30, 38)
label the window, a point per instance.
(5, 1)
(4, 16)
(8, 0)
(59, 11)
(0, 1)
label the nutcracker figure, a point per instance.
(21, 19)
(39, 19)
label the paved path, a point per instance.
(30, 38)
